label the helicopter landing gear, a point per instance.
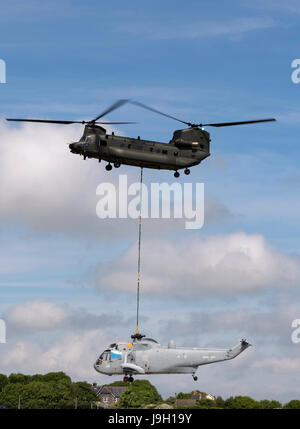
(117, 164)
(108, 167)
(129, 379)
(195, 377)
(187, 171)
(176, 174)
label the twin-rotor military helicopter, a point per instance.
(187, 148)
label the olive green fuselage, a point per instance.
(187, 148)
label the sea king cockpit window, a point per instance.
(109, 355)
(105, 355)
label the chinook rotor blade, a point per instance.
(114, 123)
(115, 106)
(229, 124)
(136, 103)
(50, 121)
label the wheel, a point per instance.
(176, 174)
(117, 164)
(130, 379)
(187, 171)
(108, 167)
(125, 378)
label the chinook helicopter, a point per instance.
(187, 148)
(146, 356)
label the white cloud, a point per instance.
(47, 188)
(224, 265)
(277, 365)
(33, 316)
(37, 315)
(73, 353)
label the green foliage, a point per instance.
(19, 378)
(84, 394)
(189, 395)
(239, 402)
(3, 381)
(119, 383)
(182, 395)
(171, 400)
(140, 392)
(56, 377)
(53, 390)
(269, 405)
(294, 404)
(220, 402)
(205, 403)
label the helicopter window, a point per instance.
(157, 151)
(175, 153)
(129, 146)
(105, 355)
(115, 354)
(164, 151)
(151, 149)
(140, 147)
(202, 146)
(103, 143)
(122, 145)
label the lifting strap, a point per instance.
(139, 256)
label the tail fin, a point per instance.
(238, 349)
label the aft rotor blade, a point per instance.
(229, 124)
(136, 103)
(115, 106)
(49, 121)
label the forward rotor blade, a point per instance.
(46, 121)
(136, 103)
(229, 124)
(115, 106)
(115, 122)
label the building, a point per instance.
(195, 397)
(109, 396)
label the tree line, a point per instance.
(56, 390)
(49, 391)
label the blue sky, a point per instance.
(205, 61)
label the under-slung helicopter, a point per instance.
(187, 148)
(147, 356)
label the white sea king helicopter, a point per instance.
(146, 356)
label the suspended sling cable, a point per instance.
(139, 256)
